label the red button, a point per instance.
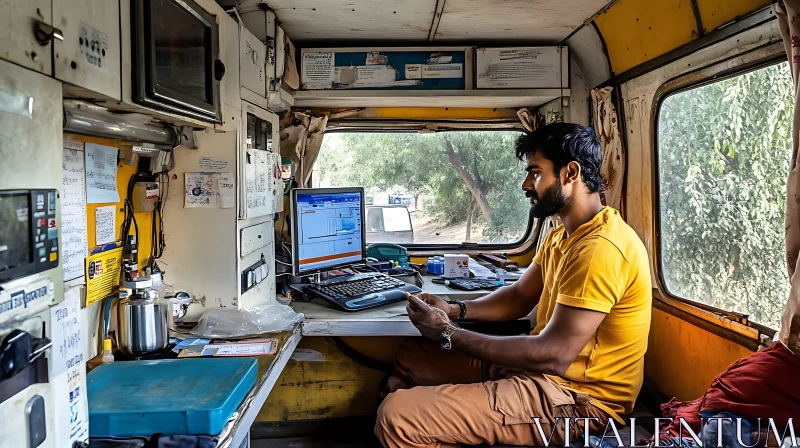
(42, 222)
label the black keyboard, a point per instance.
(359, 291)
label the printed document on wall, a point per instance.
(67, 368)
(318, 70)
(105, 224)
(523, 68)
(74, 245)
(101, 174)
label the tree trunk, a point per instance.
(474, 187)
(416, 199)
(470, 213)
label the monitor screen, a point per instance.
(328, 228)
(15, 236)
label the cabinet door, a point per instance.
(89, 56)
(19, 45)
(31, 120)
(252, 64)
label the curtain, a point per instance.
(301, 140)
(531, 121)
(788, 13)
(607, 129)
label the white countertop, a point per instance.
(322, 319)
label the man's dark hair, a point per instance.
(562, 143)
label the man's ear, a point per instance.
(572, 172)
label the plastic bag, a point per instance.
(222, 323)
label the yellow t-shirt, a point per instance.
(602, 266)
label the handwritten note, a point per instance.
(101, 174)
(226, 190)
(105, 224)
(68, 370)
(73, 211)
(258, 180)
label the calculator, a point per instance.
(471, 285)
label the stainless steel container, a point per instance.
(142, 326)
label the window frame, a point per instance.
(534, 225)
(719, 71)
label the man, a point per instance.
(585, 356)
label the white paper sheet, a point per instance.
(68, 370)
(256, 188)
(318, 70)
(74, 245)
(532, 67)
(101, 174)
(226, 190)
(105, 224)
(207, 163)
(261, 347)
(209, 190)
(201, 190)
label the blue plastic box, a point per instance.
(169, 396)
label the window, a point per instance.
(723, 156)
(443, 188)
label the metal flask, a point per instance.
(143, 325)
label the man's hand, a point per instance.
(431, 321)
(452, 311)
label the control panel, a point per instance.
(28, 232)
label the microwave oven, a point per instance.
(176, 65)
(28, 233)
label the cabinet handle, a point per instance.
(46, 33)
(219, 70)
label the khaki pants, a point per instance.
(459, 399)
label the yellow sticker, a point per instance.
(102, 274)
(53, 256)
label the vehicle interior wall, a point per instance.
(92, 313)
(678, 341)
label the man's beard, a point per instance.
(550, 203)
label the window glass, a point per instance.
(455, 186)
(723, 156)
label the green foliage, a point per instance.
(724, 153)
(419, 165)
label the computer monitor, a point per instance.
(328, 228)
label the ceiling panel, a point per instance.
(719, 12)
(408, 20)
(636, 31)
(541, 21)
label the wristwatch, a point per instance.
(444, 338)
(462, 306)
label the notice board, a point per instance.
(448, 68)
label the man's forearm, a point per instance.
(506, 303)
(528, 353)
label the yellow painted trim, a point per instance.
(636, 31)
(714, 13)
(426, 113)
